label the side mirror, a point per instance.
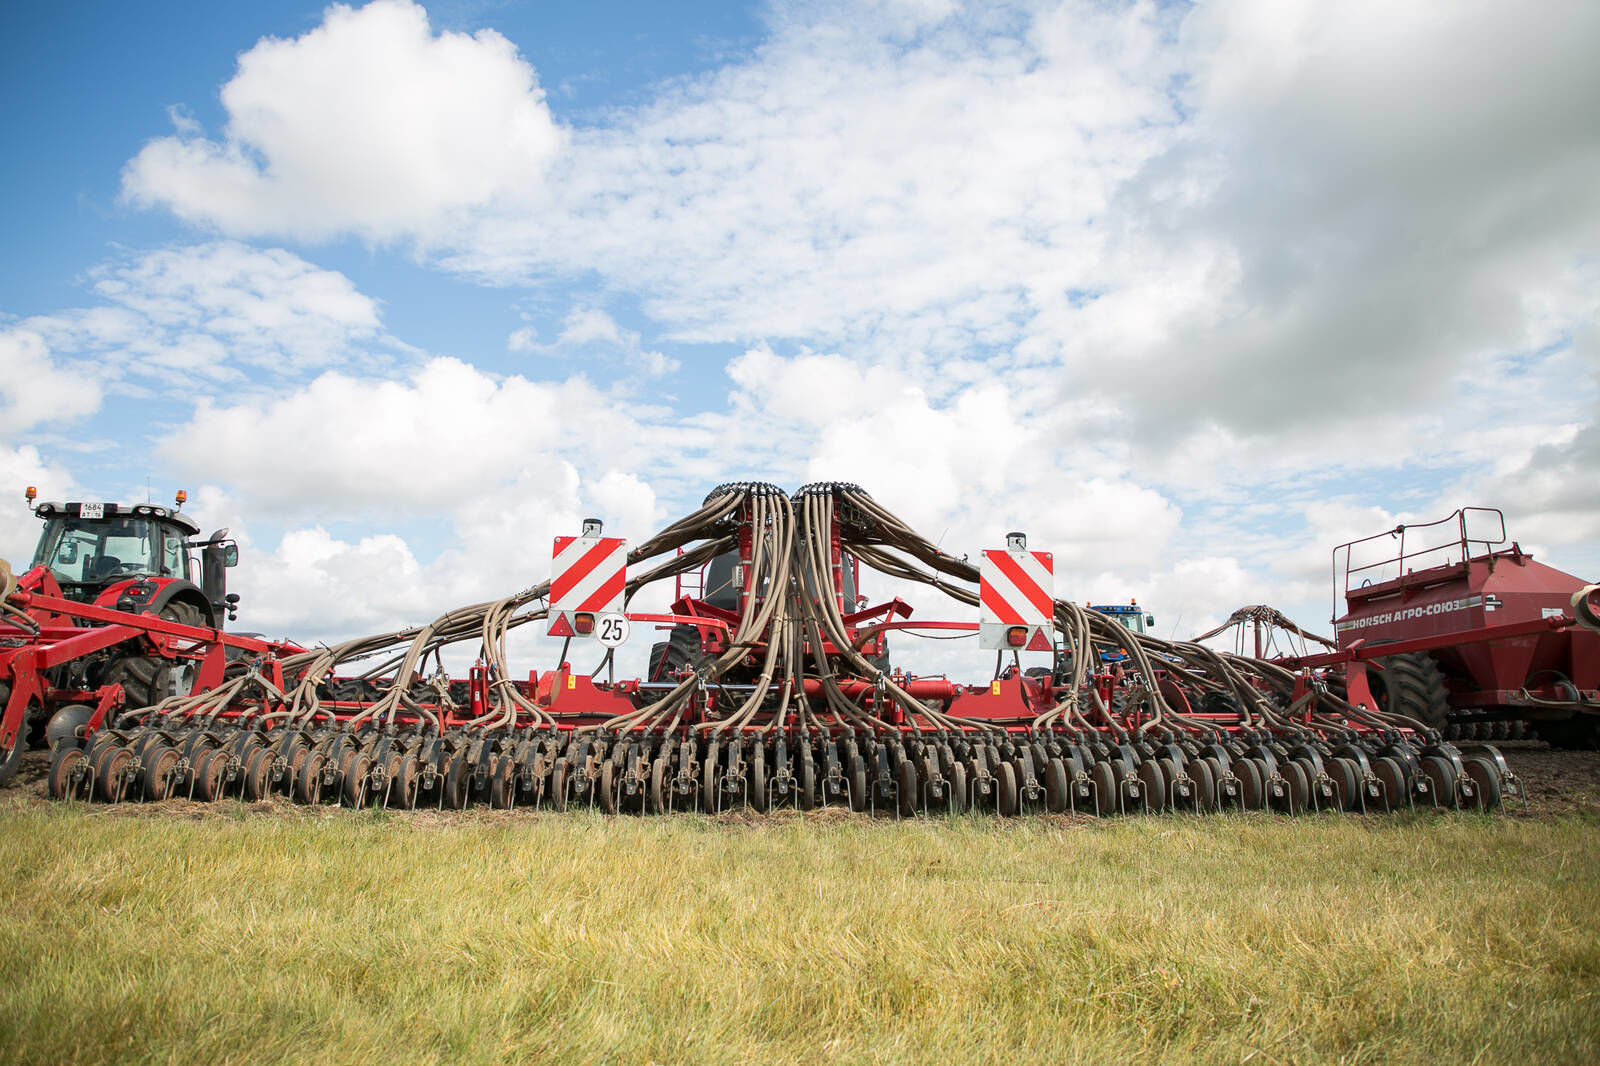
(1149, 620)
(230, 555)
(68, 553)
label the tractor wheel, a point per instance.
(148, 679)
(681, 649)
(1412, 685)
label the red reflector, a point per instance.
(1017, 636)
(583, 623)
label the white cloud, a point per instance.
(199, 318)
(35, 388)
(21, 466)
(370, 123)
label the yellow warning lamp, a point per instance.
(182, 497)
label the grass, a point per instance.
(358, 937)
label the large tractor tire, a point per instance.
(669, 657)
(148, 679)
(1412, 685)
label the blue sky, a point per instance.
(1189, 292)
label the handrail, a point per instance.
(1461, 541)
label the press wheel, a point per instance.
(1299, 790)
(1441, 780)
(1005, 790)
(608, 787)
(956, 800)
(1105, 787)
(1056, 798)
(354, 788)
(658, 778)
(906, 786)
(558, 786)
(403, 783)
(1154, 786)
(208, 771)
(502, 779)
(1485, 778)
(758, 780)
(1205, 786)
(1252, 784)
(1392, 778)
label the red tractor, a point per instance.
(115, 610)
(1468, 636)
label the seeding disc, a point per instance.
(159, 764)
(108, 772)
(62, 765)
(403, 787)
(308, 785)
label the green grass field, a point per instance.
(335, 936)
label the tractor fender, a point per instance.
(148, 595)
(178, 590)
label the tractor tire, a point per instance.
(669, 658)
(148, 679)
(1412, 685)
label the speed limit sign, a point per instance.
(611, 629)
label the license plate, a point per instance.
(91, 510)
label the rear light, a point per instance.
(1017, 636)
(583, 623)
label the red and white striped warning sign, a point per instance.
(587, 575)
(1016, 588)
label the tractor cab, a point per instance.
(89, 554)
(1128, 615)
(143, 552)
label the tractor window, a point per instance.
(173, 562)
(95, 551)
